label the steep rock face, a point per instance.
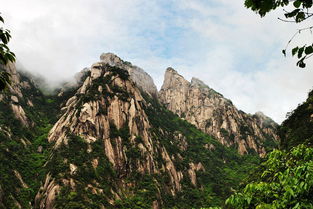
(115, 146)
(107, 109)
(216, 115)
(83, 115)
(15, 94)
(138, 75)
(111, 146)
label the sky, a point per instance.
(229, 47)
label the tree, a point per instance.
(6, 55)
(286, 182)
(300, 12)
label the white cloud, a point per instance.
(219, 41)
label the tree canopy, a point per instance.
(6, 55)
(286, 182)
(300, 10)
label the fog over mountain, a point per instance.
(229, 47)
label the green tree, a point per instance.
(286, 182)
(300, 11)
(6, 55)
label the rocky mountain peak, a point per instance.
(110, 59)
(215, 115)
(15, 94)
(172, 78)
(261, 115)
(264, 120)
(108, 110)
(197, 82)
(110, 122)
(113, 146)
(171, 70)
(142, 79)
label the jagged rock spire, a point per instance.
(212, 113)
(138, 75)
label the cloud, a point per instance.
(229, 47)
(57, 38)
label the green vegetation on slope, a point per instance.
(96, 186)
(286, 181)
(298, 127)
(24, 150)
(98, 179)
(19, 155)
(225, 168)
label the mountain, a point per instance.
(284, 179)
(116, 146)
(107, 142)
(298, 127)
(142, 79)
(23, 125)
(215, 115)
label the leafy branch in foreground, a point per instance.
(301, 11)
(6, 55)
(304, 52)
(287, 182)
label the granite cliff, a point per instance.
(108, 142)
(114, 143)
(215, 115)
(142, 79)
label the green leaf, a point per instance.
(3, 38)
(294, 51)
(308, 50)
(292, 14)
(10, 57)
(300, 52)
(300, 17)
(4, 80)
(301, 63)
(307, 3)
(297, 4)
(249, 199)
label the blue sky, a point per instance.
(227, 46)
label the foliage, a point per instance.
(123, 74)
(100, 178)
(224, 167)
(107, 85)
(23, 149)
(286, 182)
(300, 12)
(6, 55)
(18, 154)
(136, 202)
(298, 127)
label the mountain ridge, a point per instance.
(256, 125)
(114, 124)
(107, 142)
(212, 113)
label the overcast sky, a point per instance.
(227, 46)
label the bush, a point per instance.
(286, 182)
